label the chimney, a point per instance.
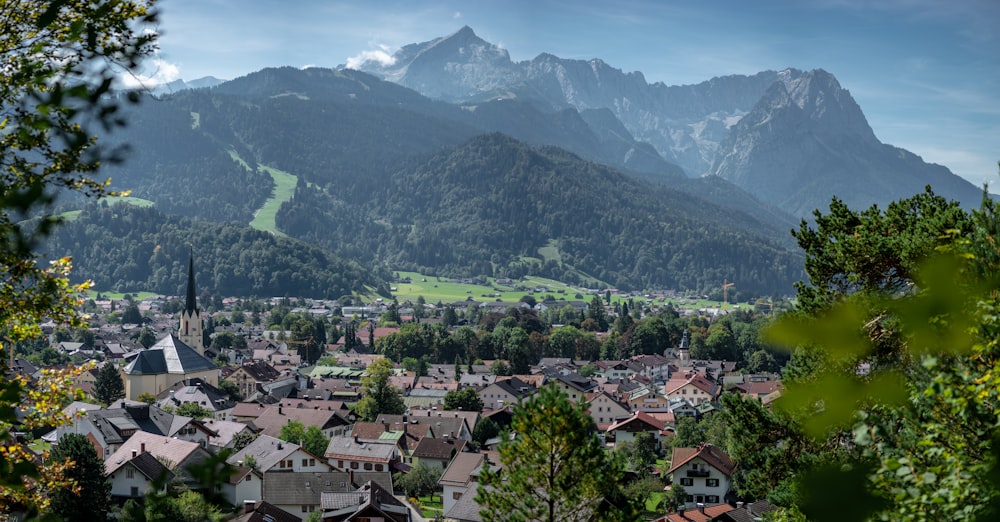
(249, 505)
(701, 507)
(280, 410)
(134, 453)
(739, 505)
(142, 447)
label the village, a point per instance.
(181, 402)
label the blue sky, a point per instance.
(925, 72)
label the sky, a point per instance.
(926, 73)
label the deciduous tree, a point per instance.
(380, 396)
(465, 399)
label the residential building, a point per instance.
(504, 392)
(131, 478)
(705, 473)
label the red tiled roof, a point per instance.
(712, 456)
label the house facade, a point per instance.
(704, 472)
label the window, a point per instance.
(378, 467)
(281, 464)
(134, 491)
(354, 465)
(689, 498)
(340, 464)
(687, 481)
(368, 466)
(289, 464)
(129, 472)
(455, 495)
(712, 483)
(712, 499)
(312, 462)
(305, 462)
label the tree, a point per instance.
(485, 430)
(131, 314)
(311, 438)
(90, 498)
(554, 468)
(146, 337)
(639, 454)
(849, 251)
(596, 312)
(465, 399)
(243, 439)
(420, 481)
(500, 368)
(380, 396)
(448, 316)
(223, 340)
(194, 410)
(108, 386)
(917, 429)
(231, 389)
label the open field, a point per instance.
(434, 289)
(284, 187)
(138, 296)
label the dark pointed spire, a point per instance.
(191, 306)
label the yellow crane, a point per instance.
(725, 293)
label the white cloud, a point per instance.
(380, 56)
(155, 72)
(457, 15)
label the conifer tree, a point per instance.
(91, 499)
(108, 387)
(554, 468)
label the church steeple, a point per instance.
(189, 330)
(191, 306)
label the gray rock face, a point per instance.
(792, 138)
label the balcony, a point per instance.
(697, 472)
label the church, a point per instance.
(174, 357)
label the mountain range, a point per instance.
(455, 161)
(791, 138)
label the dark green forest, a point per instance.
(125, 248)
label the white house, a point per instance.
(132, 475)
(705, 473)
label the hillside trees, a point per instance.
(554, 468)
(59, 59)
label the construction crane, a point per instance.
(725, 293)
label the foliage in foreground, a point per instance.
(902, 376)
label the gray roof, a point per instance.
(466, 509)
(151, 467)
(284, 488)
(266, 450)
(169, 355)
(347, 447)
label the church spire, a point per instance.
(191, 306)
(190, 331)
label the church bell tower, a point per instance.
(190, 330)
